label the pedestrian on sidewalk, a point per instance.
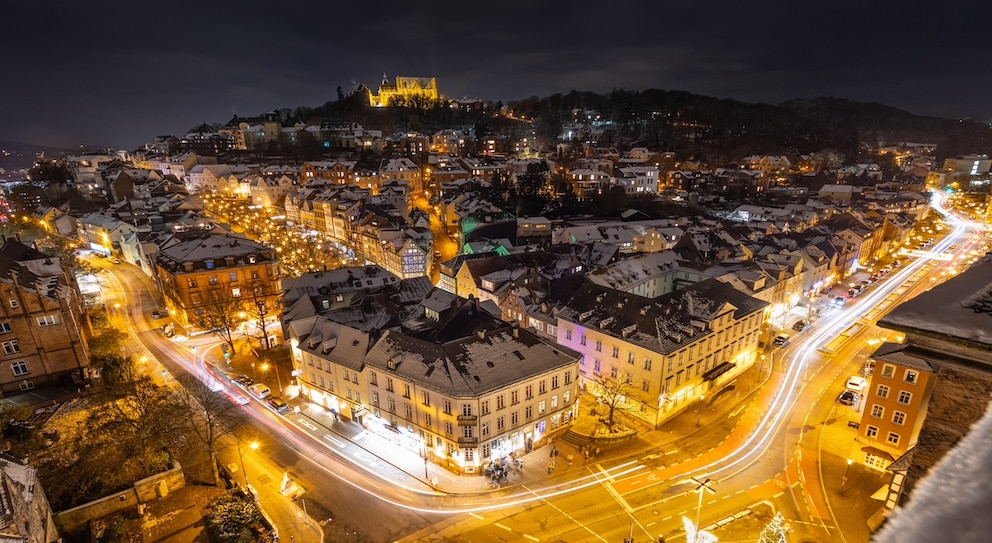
(597, 452)
(586, 452)
(551, 466)
(569, 457)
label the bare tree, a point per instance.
(220, 314)
(263, 307)
(209, 415)
(614, 392)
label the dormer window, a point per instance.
(391, 364)
(209, 264)
(251, 259)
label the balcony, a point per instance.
(468, 441)
(467, 420)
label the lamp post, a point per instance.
(265, 368)
(701, 486)
(699, 412)
(843, 480)
(253, 446)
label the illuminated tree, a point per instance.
(614, 393)
(220, 314)
(774, 531)
(208, 415)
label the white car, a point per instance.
(856, 383)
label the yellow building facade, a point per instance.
(409, 91)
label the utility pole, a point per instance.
(701, 487)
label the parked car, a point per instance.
(856, 383)
(277, 404)
(864, 284)
(780, 340)
(243, 380)
(100, 255)
(848, 397)
(260, 391)
(840, 300)
(800, 325)
(115, 260)
(156, 315)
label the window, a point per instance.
(485, 407)
(877, 411)
(500, 401)
(373, 379)
(529, 412)
(409, 411)
(905, 397)
(911, 376)
(553, 330)
(500, 423)
(375, 397)
(468, 431)
(233, 276)
(541, 407)
(11, 347)
(582, 338)
(447, 407)
(613, 372)
(391, 405)
(542, 386)
(871, 431)
(427, 419)
(515, 418)
(882, 391)
(212, 280)
(236, 292)
(15, 305)
(514, 397)
(595, 365)
(599, 345)
(20, 368)
(630, 358)
(486, 450)
(485, 429)
(427, 398)
(892, 439)
(568, 334)
(49, 320)
(469, 454)
(899, 418)
(565, 397)
(5, 328)
(554, 382)
(389, 384)
(467, 409)
(406, 391)
(616, 352)
(647, 364)
(888, 370)
(554, 402)
(448, 428)
(645, 385)
(528, 392)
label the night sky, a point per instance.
(118, 74)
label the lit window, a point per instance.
(899, 417)
(911, 376)
(905, 397)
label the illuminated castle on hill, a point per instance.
(407, 91)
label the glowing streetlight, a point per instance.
(253, 446)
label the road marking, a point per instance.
(363, 458)
(530, 537)
(498, 525)
(361, 436)
(308, 424)
(337, 442)
(738, 410)
(477, 517)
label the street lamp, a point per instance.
(699, 412)
(701, 486)
(265, 368)
(253, 446)
(843, 480)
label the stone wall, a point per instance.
(145, 490)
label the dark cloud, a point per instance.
(118, 73)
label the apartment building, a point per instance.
(39, 322)
(457, 385)
(195, 271)
(895, 405)
(671, 350)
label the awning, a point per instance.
(718, 371)
(875, 451)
